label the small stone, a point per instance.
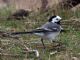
(52, 53)
(75, 58)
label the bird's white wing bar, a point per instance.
(54, 29)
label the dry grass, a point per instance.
(70, 39)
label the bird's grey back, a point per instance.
(50, 25)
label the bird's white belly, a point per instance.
(52, 36)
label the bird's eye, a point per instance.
(56, 18)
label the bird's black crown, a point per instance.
(50, 19)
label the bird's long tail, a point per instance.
(16, 33)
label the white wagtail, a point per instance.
(49, 30)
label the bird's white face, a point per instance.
(56, 19)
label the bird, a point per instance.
(50, 30)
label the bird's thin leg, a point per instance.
(42, 42)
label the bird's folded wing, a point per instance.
(45, 30)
